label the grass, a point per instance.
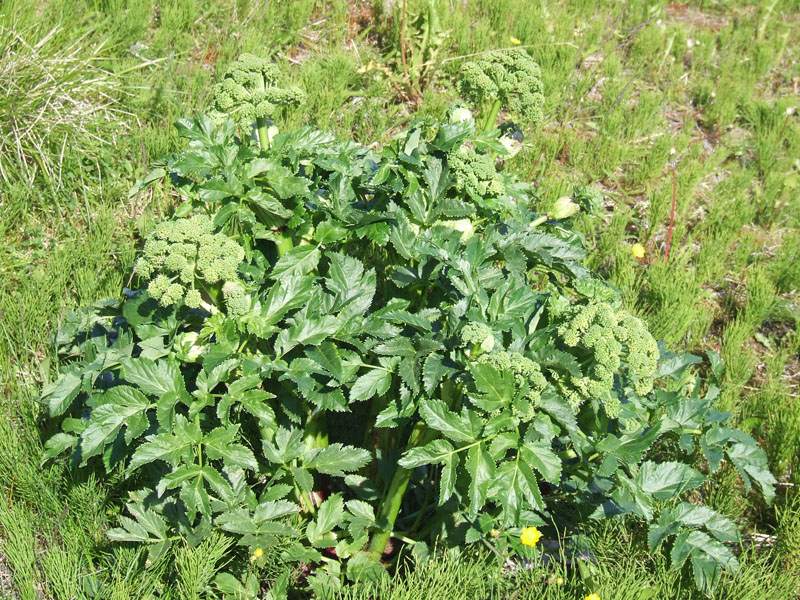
(636, 92)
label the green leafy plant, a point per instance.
(412, 354)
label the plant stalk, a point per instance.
(539, 220)
(284, 243)
(397, 489)
(315, 434)
(491, 116)
(263, 133)
(390, 507)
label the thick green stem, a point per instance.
(315, 433)
(539, 220)
(397, 489)
(491, 116)
(284, 243)
(420, 435)
(263, 132)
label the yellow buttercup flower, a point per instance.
(560, 581)
(638, 252)
(515, 41)
(592, 597)
(258, 553)
(530, 536)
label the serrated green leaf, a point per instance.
(219, 443)
(120, 404)
(147, 526)
(708, 556)
(435, 414)
(327, 356)
(242, 522)
(255, 402)
(505, 491)
(692, 515)
(496, 388)
(329, 515)
(271, 510)
(300, 260)
(542, 458)
(285, 447)
(448, 478)
(309, 332)
(60, 393)
(434, 452)
(337, 459)
(749, 460)
(153, 377)
(58, 444)
(433, 370)
(168, 447)
(366, 566)
(329, 231)
(481, 469)
(289, 293)
(676, 364)
(374, 382)
(684, 514)
(667, 480)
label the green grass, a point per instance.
(634, 90)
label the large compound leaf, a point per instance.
(481, 469)
(220, 444)
(153, 377)
(496, 387)
(672, 520)
(147, 526)
(120, 404)
(667, 480)
(169, 447)
(708, 556)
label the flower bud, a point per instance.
(460, 115)
(563, 208)
(465, 226)
(186, 346)
(272, 131)
(512, 145)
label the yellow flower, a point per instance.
(530, 536)
(515, 41)
(560, 581)
(258, 553)
(592, 597)
(638, 252)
